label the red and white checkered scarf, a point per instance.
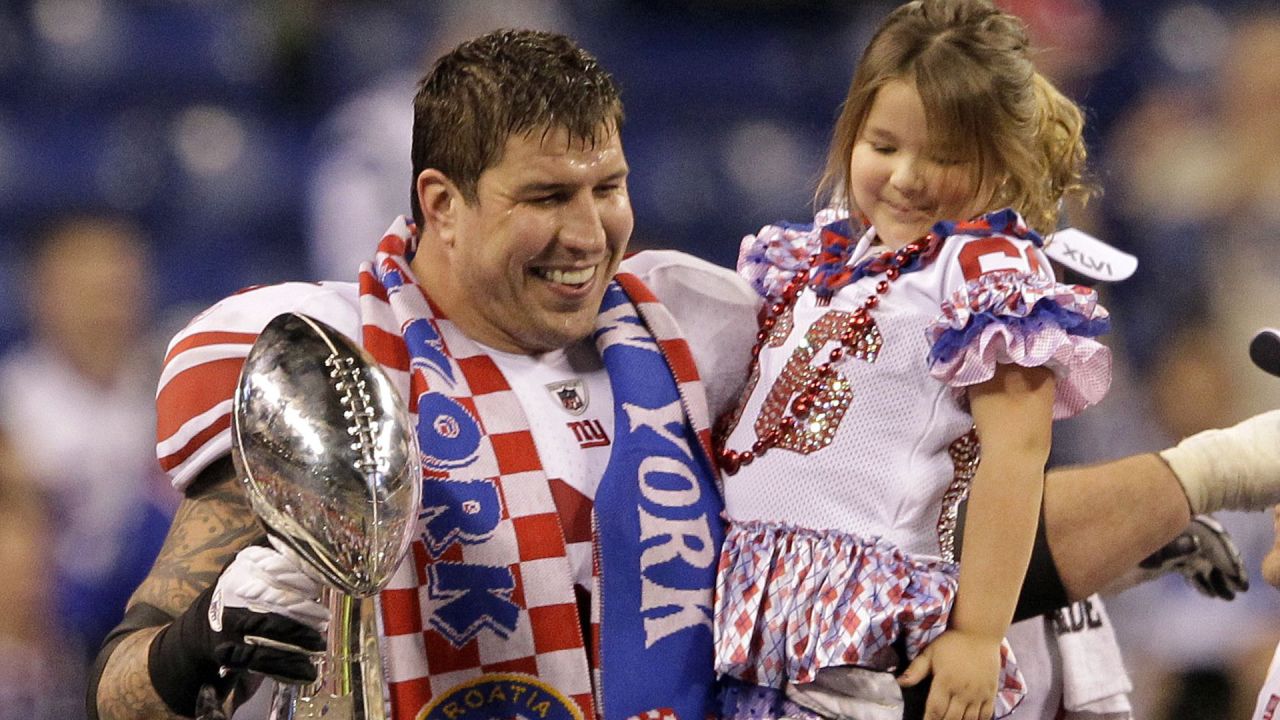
(535, 656)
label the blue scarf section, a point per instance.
(657, 515)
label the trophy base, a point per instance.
(314, 708)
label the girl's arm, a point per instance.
(1013, 413)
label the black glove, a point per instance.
(262, 616)
(1205, 555)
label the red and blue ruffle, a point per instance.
(1028, 320)
(770, 258)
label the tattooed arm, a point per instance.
(212, 524)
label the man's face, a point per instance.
(99, 310)
(1271, 563)
(531, 257)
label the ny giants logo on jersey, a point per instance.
(589, 433)
(466, 598)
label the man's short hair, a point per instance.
(499, 85)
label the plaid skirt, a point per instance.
(791, 601)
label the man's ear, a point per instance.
(440, 201)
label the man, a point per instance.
(1269, 697)
(76, 404)
(520, 194)
(88, 370)
(569, 501)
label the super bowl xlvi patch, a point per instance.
(509, 695)
(572, 395)
(1089, 256)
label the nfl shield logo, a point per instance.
(572, 395)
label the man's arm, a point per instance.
(1102, 520)
(212, 524)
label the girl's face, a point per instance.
(896, 178)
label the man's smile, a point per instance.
(572, 278)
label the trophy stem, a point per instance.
(349, 676)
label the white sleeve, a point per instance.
(1269, 697)
(202, 367)
(716, 310)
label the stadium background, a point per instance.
(241, 134)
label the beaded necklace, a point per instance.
(831, 272)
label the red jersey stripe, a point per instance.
(210, 338)
(194, 391)
(173, 460)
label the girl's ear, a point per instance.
(440, 200)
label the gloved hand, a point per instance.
(1205, 555)
(262, 615)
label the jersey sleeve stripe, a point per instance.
(194, 391)
(197, 356)
(209, 338)
(173, 461)
(193, 427)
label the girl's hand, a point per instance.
(965, 670)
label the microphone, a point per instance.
(1264, 350)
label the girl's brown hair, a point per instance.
(984, 103)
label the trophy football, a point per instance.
(328, 456)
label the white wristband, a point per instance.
(1237, 468)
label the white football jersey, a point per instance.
(875, 461)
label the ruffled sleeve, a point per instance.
(770, 258)
(1020, 316)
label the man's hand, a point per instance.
(1203, 553)
(965, 668)
(262, 615)
(266, 609)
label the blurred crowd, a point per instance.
(158, 154)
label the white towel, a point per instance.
(1094, 682)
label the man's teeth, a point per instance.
(567, 277)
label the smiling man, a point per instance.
(522, 262)
(570, 522)
(567, 544)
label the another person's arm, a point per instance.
(1101, 520)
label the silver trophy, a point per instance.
(328, 456)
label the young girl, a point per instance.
(893, 352)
